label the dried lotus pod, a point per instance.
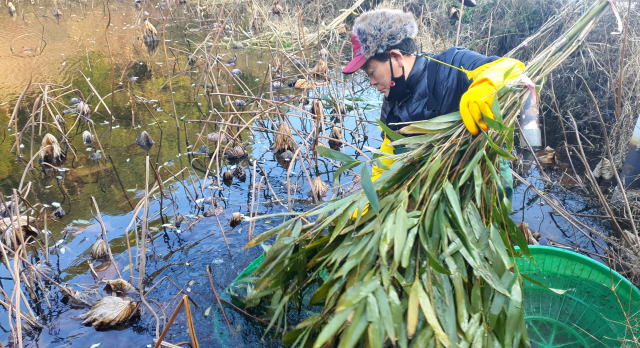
(39, 271)
(283, 139)
(318, 188)
(317, 108)
(277, 10)
(548, 156)
(215, 210)
(26, 226)
(324, 53)
(603, 169)
(454, 13)
(87, 138)
(337, 135)
(303, 84)
(120, 285)
(149, 29)
(50, 151)
(85, 298)
(235, 152)
(59, 213)
(12, 9)
(240, 173)
(227, 176)
(236, 219)
(83, 110)
(144, 141)
(529, 235)
(61, 121)
(99, 249)
(215, 137)
(109, 311)
(320, 68)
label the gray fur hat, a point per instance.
(380, 29)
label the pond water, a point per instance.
(36, 45)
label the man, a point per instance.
(419, 88)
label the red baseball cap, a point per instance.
(358, 58)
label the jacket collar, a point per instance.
(417, 73)
(415, 76)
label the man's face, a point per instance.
(379, 73)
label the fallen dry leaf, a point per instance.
(109, 311)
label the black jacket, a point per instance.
(434, 89)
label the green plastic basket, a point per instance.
(589, 314)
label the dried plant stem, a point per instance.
(215, 293)
(145, 230)
(104, 236)
(14, 116)
(16, 292)
(249, 315)
(192, 331)
(460, 21)
(165, 330)
(615, 172)
(224, 236)
(624, 46)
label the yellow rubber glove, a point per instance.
(487, 80)
(386, 148)
(376, 172)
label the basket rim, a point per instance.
(618, 279)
